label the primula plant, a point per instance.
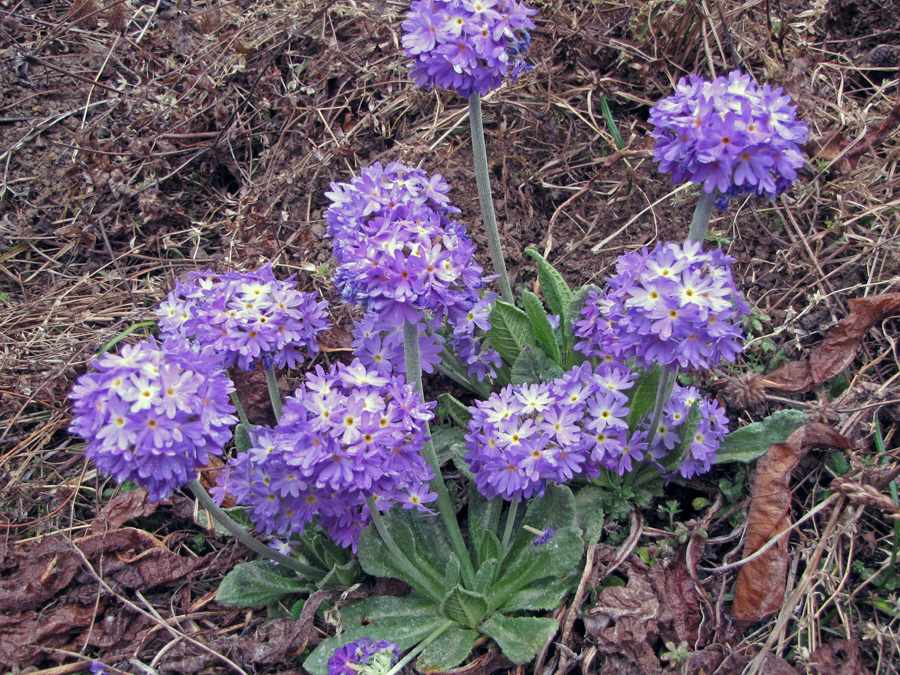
(574, 397)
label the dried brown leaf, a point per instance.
(123, 507)
(761, 582)
(24, 637)
(254, 394)
(335, 339)
(837, 349)
(658, 604)
(841, 657)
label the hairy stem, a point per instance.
(274, 394)
(247, 539)
(420, 647)
(507, 530)
(483, 181)
(240, 409)
(663, 394)
(448, 515)
(702, 213)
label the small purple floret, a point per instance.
(246, 316)
(398, 251)
(675, 305)
(529, 434)
(346, 434)
(352, 657)
(729, 135)
(467, 45)
(152, 414)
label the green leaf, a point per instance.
(451, 573)
(611, 123)
(447, 651)
(589, 513)
(342, 575)
(377, 560)
(485, 543)
(579, 300)
(553, 286)
(510, 331)
(407, 620)
(542, 595)
(485, 575)
(444, 438)
(643, 397)
(258, 583)
(533, 366)
(557, 558)
(464, 607)
(239, 514)
(242, 442)
(519, 638)
(540, 325)
(457, 410)
(752, 441)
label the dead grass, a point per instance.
(138, 144)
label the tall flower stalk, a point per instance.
(485, 199)
(469, 46)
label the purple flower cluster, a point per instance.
(467, 45)
(399, 252)
(529, 434)
(152, 414)
(729, 135)
(363, 656)
(675, 305)
(246, 316)
(345, 434)
(711, 431)
(481, 361)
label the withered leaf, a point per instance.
(254, 394)
(627, 624)
(761, 582)
(335, 339)
(123, 507)
(23, 637)
(840, 657)
(838, 348)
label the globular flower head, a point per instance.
(246, 316)
(675, 305)
(729, 135)
(703, 443)
(528, 434)
(399, 253)
(152, 414)
(467, 45)
(347, 434)
(364, 657)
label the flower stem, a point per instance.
(663, 394)
(510, 521)
(448, 515)
(483, 181)
(240, 409)
(424, 584)
(702, 213)
(247, 539)
(420, 648)
(274, 394)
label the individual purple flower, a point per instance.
(246, 316)
(526, 435)
(364, 656)
(675, 305)
(467, 45)
(545, 536)
(729, 135)
(98, 668)
(398, 251)
(379, 345)
(346, 434)
(711, 430)
(153, 414)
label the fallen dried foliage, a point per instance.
(761, 582)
